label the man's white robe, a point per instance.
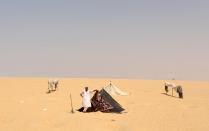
(86, 102)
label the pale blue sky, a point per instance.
(145, 39)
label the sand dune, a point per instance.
(25, 106)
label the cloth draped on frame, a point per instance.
(102, 101)
(99, 104)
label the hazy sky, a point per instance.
(145, 39)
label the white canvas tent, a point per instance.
(113, 90)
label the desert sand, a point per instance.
(25, 106)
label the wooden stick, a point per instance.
(72, 110)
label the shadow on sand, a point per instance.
(169, 95)
(51, 91)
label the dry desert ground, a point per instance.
(25, 106)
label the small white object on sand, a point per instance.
(44, 109)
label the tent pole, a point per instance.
(72, 111)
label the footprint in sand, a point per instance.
(112, 120)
